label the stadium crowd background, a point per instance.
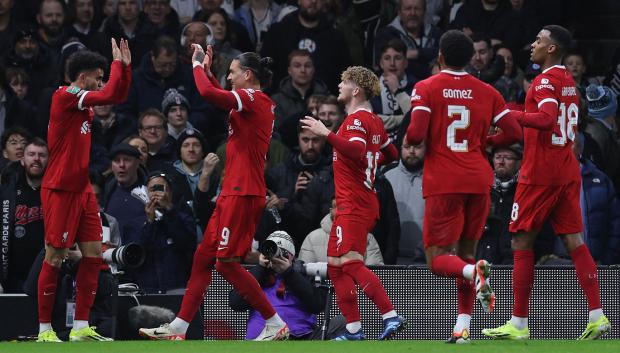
(164, 127)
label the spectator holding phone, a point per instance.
(168, 237)
(287, 181)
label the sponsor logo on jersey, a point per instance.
(457, 93)
(355, 127)
(544, 81)
(356, 122)
(569, 91)
(543, 86)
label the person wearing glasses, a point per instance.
(153, 127)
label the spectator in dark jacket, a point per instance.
(15, 112)
(159, 71)
(52, 34)
(132, 24)
(28, 54)
(110, 128)
(307, 29)
(163, 16)
(13, 142)
(7, 26)
(495, 18)
(295, 89)
(420, 36)
(484, 64)
(288, 181)
(81, 16)
(168, 238)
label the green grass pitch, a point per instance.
(546, 346)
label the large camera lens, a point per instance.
(269, 249)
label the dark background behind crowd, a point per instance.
(165, 128)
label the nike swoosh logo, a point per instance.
(226, 247)
(46, 294)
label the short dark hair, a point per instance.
(165, 43)
(16, 73)
(481, 37)
(397, 44)
(561, 37)
(36, 141)
(298, 52)
(259, 66)
(84, 60)
(456, 48)
(15, 130)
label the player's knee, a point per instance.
(572, 241)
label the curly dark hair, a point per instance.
(84, 60)
(456, 48)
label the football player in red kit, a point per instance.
(549, 185)
(241, 203)
(360, 145)
(452, 111)
(71, 210)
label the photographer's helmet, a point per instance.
(283, 240)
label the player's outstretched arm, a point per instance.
(418, 127)
(544, 119)
(352, 149)
(208, 90)
(115, 91)
(511, 132)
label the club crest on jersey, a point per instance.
(85, 129)
(415, 97)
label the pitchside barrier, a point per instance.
(558, 308)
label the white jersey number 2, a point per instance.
(460, 124)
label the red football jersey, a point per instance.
(462, 109)
(547, 157)
(354, 179)
(68, 134)
(249, 131)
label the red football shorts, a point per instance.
(232, 226)
(349, 233)
(534, 204)
(70, 217)
(450, 217)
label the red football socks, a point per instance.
(522, 281)
(447, 265)
(587, 276)
(346, 293)
(247, 286)
(46, 291)
(86, 286)
(369, 283)
(199, 281)
(466, 292)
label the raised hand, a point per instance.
(199, 53)
(208, 60)
(314, 125)
(125, 52)
(116, 52)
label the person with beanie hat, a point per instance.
(193, 172)
(176, 109)
(600, 130)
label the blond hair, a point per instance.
(364, 79)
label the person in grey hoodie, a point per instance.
(406, 180)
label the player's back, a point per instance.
(548, 158)
(249, 133)
(462, 109)
(354, 179)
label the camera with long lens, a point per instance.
(126, 256)
(270, 249)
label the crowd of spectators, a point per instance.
(168, 142)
